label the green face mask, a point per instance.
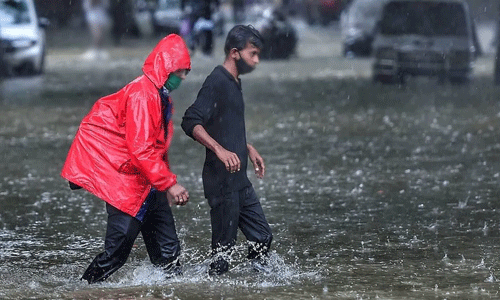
(173, 82)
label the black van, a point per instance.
(424, 37)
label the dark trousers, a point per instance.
(158, 232)
(240, 209)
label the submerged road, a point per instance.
(372, 191)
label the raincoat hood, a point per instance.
(169, 55)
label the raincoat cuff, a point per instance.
(169, 184)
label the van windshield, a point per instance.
(13, 12)
(169, 4)
(424, 18)
(366, 9)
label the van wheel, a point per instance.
(41, 68)
(459, 80)
(401, 78)
(390, 79)
(442, 79)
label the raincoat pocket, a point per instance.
(128, 168)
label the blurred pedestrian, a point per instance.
(3, 67)
(121, 15)
(193, 11)
(496, 78)
(238, 11)
(96, 15)
(120, 154)
(497, 65)
(496, 30)
(216, 120)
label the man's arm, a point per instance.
(257, 161)
(198, 114)
(140, 138)
(230, 159)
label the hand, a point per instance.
(230, 160)
(257, 161)
(178, 195)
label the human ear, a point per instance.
(233, 53)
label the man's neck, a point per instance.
(230, 66)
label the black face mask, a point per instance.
(242, 66)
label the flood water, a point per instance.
(371, 191)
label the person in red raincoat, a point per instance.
(120, 154)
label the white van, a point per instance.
(23, 37)
(424, 37)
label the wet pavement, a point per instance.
(372, 191)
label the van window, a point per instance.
(14, 12)
(169, 4)
(424, 18)
(367, 9)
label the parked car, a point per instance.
(23, 37)
(167, 16)
(323, 11)
(424, 37)
(358, 23)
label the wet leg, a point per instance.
(122, 230)
(160, 235)
(254, 225)
(224, 218)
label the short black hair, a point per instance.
(240, 35)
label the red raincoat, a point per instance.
(119, 151)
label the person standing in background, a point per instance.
(96, 15)
(121, 15)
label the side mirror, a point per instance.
(43, 22)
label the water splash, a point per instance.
(463, 204)
(491, 278)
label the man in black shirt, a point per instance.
(216, 120)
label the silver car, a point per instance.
(23, 37)
(167, 16)
(358, 24)
(424, 37)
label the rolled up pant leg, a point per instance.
(121, 232)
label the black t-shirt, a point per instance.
(220, 109)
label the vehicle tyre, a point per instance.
(348, 52)
(384, 79)
(442, 79)
(401, 79)
(41, 68)
(390, 79)
(324, 21)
